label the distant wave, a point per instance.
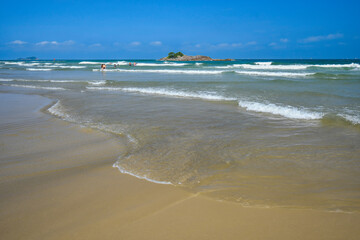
(86, 62)
(109, 63)
(351, 65)
(97, 83)
(275, 74)
(161, 64)
(72, 67)
(168, 92)
(163, 71)
(285, 111)
(270, 66)
(36, 87)
(38, 69)
(263, 63)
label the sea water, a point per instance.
(263, 133)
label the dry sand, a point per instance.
(57, 182)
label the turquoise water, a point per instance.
(259, 132)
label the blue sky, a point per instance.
(150, 29)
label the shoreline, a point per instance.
(57, 181)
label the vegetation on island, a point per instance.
(175, 55)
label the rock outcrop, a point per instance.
(193, 58)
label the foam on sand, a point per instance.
(122, 170)
(285, 111)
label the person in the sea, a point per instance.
(103, 66)
(114, 65)
(129, 63)
(134, 64)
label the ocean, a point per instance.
(261, 133)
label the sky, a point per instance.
(137, 29)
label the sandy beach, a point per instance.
(57, 182)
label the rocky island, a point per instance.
(179, 56)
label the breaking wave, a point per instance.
(163, 71)
(275, 74)
(285, 111)
(36, 87)
(38, 69)
(168, 92)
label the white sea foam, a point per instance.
(118, 63)
(263, 63)
(161, 64)
(168, 92)
(36, 87)
(6, 80)
(270, 67)
(351, 118)
(40, 80)
(38, 69)
(97, 83)
(89, 63)
(72, 67)
(13, 63)
(57, 110)
(162, 71)
(274, 74)
(351, 65)
(285, 111)
(198, 64)
(122, 170)
(62, 81)
(28, 64)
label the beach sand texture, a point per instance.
(57, 182)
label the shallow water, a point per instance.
(261, 133)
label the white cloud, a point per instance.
(68, 42)
(43, 43)
(223, 45)
(251, 43)
(236, 44)
(198, 45)
(284, 40)
(228, 45)
(273, 44)
(55, 43)
(96, 45)
(18, 42)
(134, 44)
(321, 38)
(156, 43)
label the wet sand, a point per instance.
(57, 182)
